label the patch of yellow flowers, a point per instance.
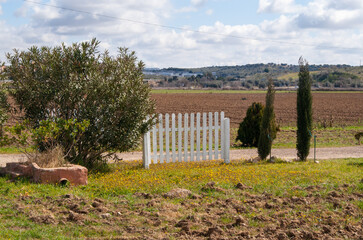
(131, 177)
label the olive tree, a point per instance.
(77, 82)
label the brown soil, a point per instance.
(332, 215)
(328, 108)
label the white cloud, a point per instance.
(331, 14)
(277, 6)
(187, 9)
(324, 31)
(1, 11)
(209, 12)
(198, 3)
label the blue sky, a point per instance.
(206, 33)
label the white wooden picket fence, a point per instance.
(193, 137)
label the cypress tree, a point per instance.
(268, 123)
(304, 111)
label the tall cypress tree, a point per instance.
(268, 123)
(304, 111)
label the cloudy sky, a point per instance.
(193, 33)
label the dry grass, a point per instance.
(49, 159)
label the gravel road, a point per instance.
(321, 153)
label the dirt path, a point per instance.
(321, 153)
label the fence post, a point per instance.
(146, 151)
(226, 140)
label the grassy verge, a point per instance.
(297, 199)
(13, 150)
(325, 137)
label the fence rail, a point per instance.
(186, 139)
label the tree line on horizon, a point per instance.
(255, 76)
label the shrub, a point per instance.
(357, 136)
(268, 124)
(4, 108)
(79, 83)
(249, 128)
(304, 111)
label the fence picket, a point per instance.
(179, 137)
(155, 145)
(216, 135)
(222, 134)
(161, 144)
(210, 142)
(198, 137)
(192, 137)
(204, 136)
(173, 137)
(185, 137)
(226, 141)
(167, 149)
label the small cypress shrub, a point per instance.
(268, 124)
(304, 111)
(249, 128)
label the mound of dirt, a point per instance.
(241, 215)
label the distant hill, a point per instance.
(255, 76)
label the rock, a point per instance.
(143, 195)
(106, 215)
(178, 193)
(239, 221)
(46, 219)
(211, 186)
(16, 169)
(273, 159)
(96, 204)
(70, 196)
(99, 200)
(74, 217)
(242, 186)
(214, 231)
(74, 174)
(256, 159)
(282, 236)
(182, 223)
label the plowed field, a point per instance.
(329, 108)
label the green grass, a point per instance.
(22, 199)
(14, 150)
(274, 178)
(130, 177)
(325, 137)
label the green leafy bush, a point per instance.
(4, 108)
(249, 128)
(77, 82)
